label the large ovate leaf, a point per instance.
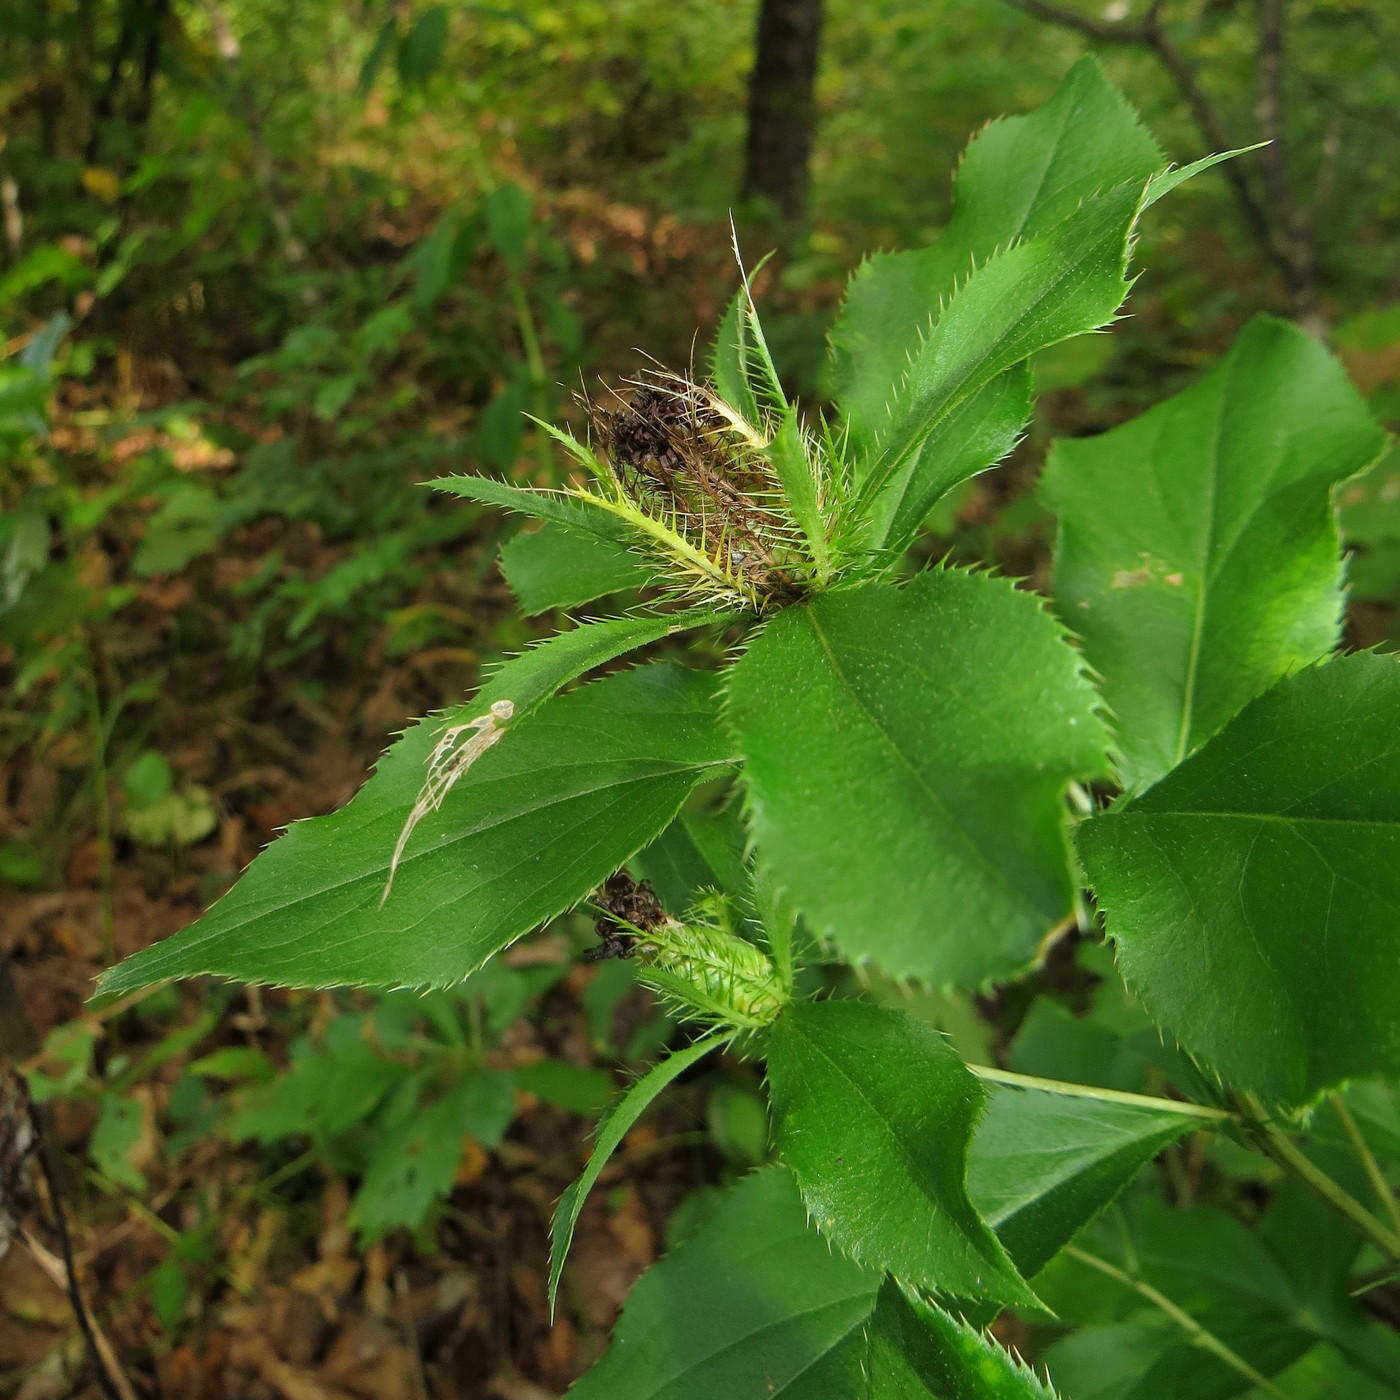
(1020, 177)
(1254, 893)
(1198, 555)
(918, 1352)
(555, 567)
(873, 1112)
(755, 1306)
(565, 797)
(1044, 1164)
(906, 754)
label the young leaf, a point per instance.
(1198, 556)
(1254, 893)
(754, 1306)
(544, 816)
(906, 752)
(1042, 1164)
(1069, 280)
(569, 512)
(873, 1112)
(615, 1126)
(918, 1352)
(1020, 177)
(740, 362)
(556, 567)
(978, 432)
(324, 1091)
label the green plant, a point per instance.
(918, 765)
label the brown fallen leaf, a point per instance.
(290, 1382)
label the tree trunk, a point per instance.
(782, 105)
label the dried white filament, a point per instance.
(453, 754)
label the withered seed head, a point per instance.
(678, 454)
(628, 905)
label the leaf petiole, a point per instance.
(1088, 1091)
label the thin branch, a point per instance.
(1110, 31)
(1276, 1144)
(18, 1042)
(1200, 1336)
(1148, 33)
(1295, 251)
(1384, 1195)
(97, 1356)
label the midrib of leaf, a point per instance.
(664, 770)
(1034, 200)
(934, 798)
(1207, 575)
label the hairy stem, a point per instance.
(1199, 1335)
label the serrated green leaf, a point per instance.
(570, 792)
(1063, 283)
(1020, 177)
(979, 432)
(1198, 556)
(1254, 893)
(556, 567)
(1042, 1164)
(918, 1352)
(753, 1306)
(906, 752)
(630, 1106)
(873, 1112)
